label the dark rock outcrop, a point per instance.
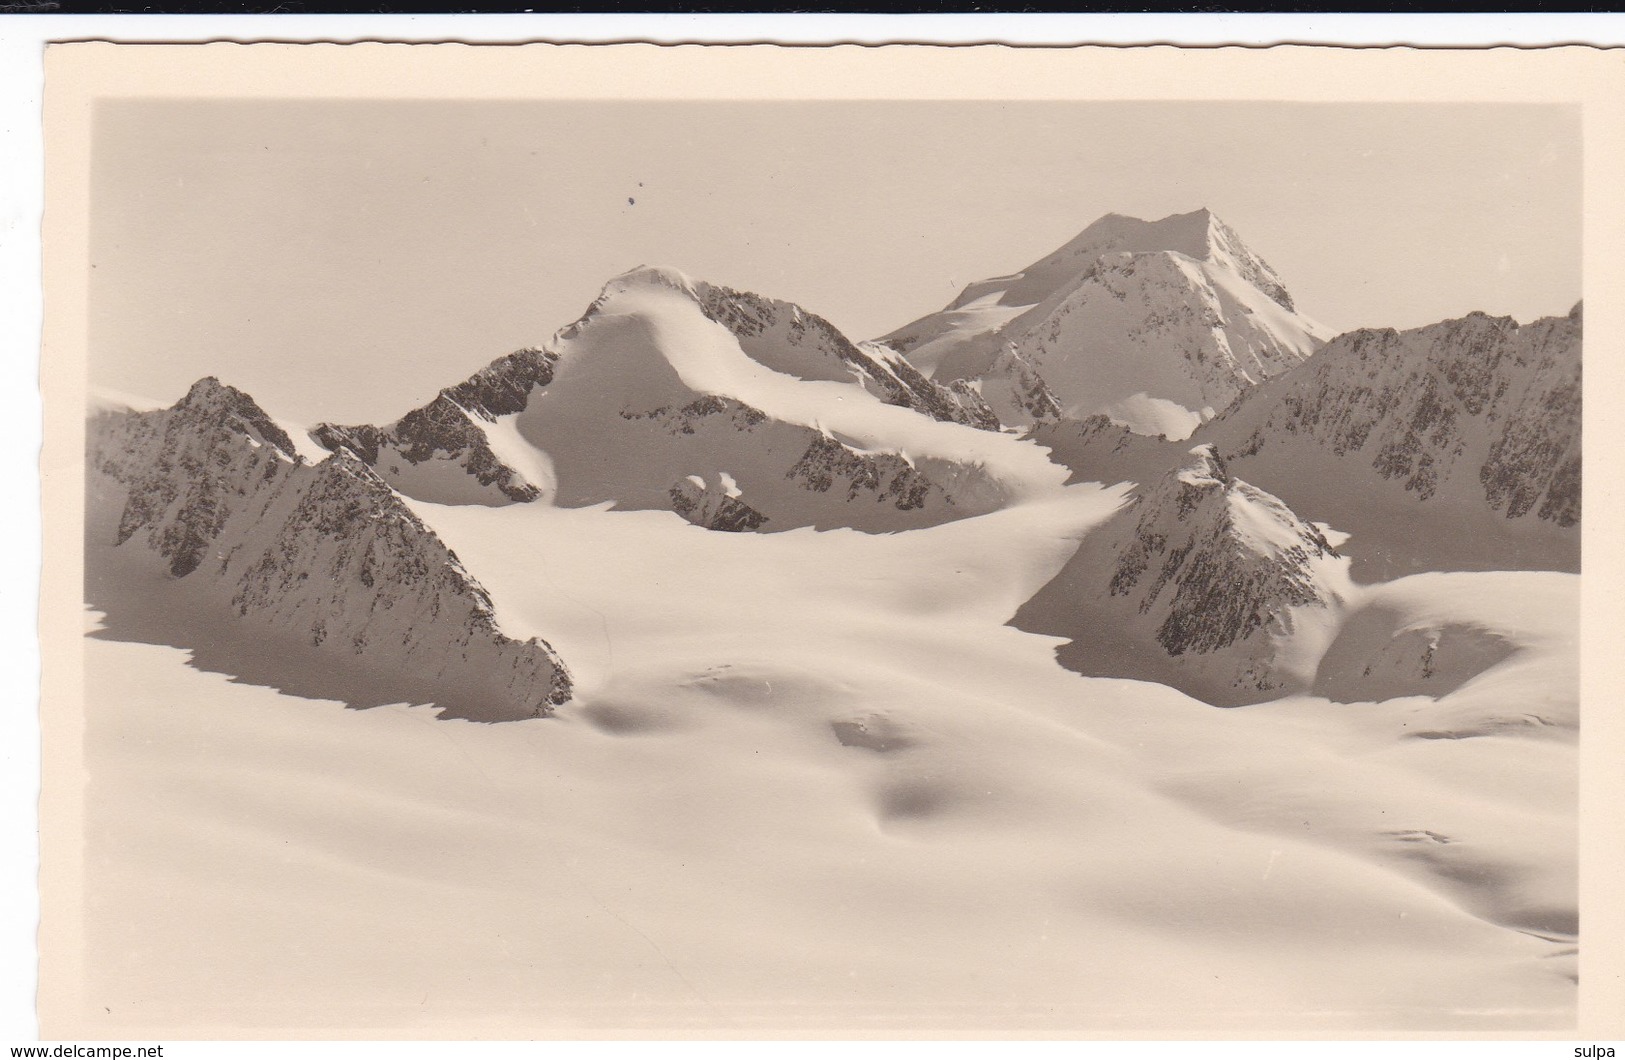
(828, 465)
(715, 506)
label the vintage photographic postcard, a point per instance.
(796, 542)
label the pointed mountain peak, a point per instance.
(1190, 485)
(210, 394)
(640, 278)
(1201, 491)
(1199, 235)
(1201, 220)
(209, 390)
(237, 411)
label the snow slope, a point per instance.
(1155, 324)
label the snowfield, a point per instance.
(811, 783)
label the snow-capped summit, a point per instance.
(1157, 324)
(666, 378)
(1198, 235)
(792, 341)
(1203, 582)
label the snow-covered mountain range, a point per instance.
(825, 642)
(1451, 447)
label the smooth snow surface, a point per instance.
(811, 782)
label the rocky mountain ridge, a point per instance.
(452, 427)
(1446, 448)
(1451, 446)
(1202, 581)
(326, 554)
(1479, 402)
(789, 339)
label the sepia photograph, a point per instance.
(617, 541)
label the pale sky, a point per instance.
(345, 260)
